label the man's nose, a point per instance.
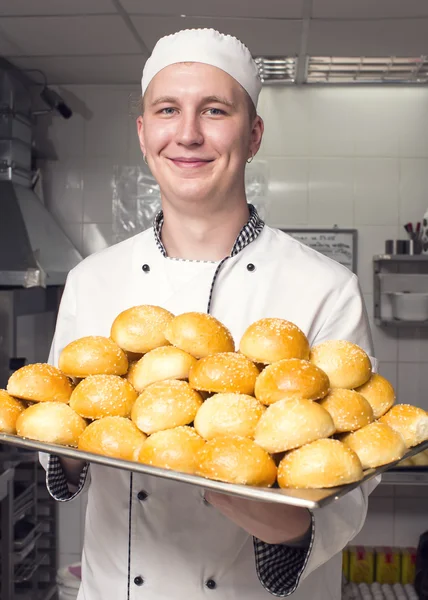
(189, 131)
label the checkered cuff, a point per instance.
(57, 483)
(279, 567)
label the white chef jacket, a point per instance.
(152, 539)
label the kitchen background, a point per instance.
(352, 155)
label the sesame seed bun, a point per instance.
(290, 378)
(349, 410)
(236, 460)
(10, 409)
(100, 396)
(379, 393)
(199, 334)
(40, 383)
(321, 464)
(346, 364)
(159, 364)
(411, 422)
(223, 373)
(93, 355)
(51, 422)
(141, 328)
(112, 436)
(269, 340)
(376, 444)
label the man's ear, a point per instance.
(140, 132)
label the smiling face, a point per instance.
(197, 134)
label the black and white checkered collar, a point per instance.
(248, 233)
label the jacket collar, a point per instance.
(248, 233)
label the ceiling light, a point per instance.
(392, 69)
(277, 69)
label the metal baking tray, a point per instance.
(311, 499)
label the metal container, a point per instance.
(409, 306)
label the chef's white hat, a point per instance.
(206, 46)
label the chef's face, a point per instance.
(197, 132)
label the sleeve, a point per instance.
(56, 481)
(282, 568)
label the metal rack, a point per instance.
(28, 549)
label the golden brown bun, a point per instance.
(269, 340)
(93, 355)
(199, 334)
(40, 383)
(411, 422)
(348, 409)
(112, 436)
(159, 364)
(379, 393)
(290, 423)
(346, 364)
(51, 422)
(320, 464)
(100, 396)
(141, 328)
(223, 373)
(133, 356)
(228, 414)
(375, 444)
(164, 405)
(175, 449)
(10, 409)
(290, 378)
(236, 460)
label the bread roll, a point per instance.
(292, 423)
(420, 459)
(10, 409)
(223, 373)
(236, 460)
(290, 378)
(346, 364)
(409, 421)
(348, 409)
(164, 405)
(141, 328)
(228, 414)
(379, 393)
(320, 464)
(51, 422)
(375, 444)
(112, 436)
(269, 340)
(175, 449)
(40, 383)
(199, 334)
(100, 396)
(159, 364)
(93, 355)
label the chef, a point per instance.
(208, 250)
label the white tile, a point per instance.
(331, 192)
(107, 128)
(389, 371)
(98, 180)
(368, 301)
(413, 189)
(96, 237)
(288, 192)
(67, 558)
(385, 342)
(375, 113)
(410, 520)
(413, 345)
(376, 191)
(70, 540)
(371, 241)
(331, 122)
(74, 232)
(412, 126)
(63, 189)
(285, 114)
(412, 384)
(378, 527)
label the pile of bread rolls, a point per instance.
(174, 392)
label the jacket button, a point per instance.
(146, 268)
(211, 584)
(251, 267)
(142, 495)
(139, 580)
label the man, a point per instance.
(208, 251)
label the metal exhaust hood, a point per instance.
(34, 251)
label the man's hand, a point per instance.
(269, 522)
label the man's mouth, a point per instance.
(193, 162)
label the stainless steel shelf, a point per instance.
(401, 257)
(399, 323)
(405, 477)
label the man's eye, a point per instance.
(168, 111)
(216, 111)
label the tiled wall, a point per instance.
(352, 156)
